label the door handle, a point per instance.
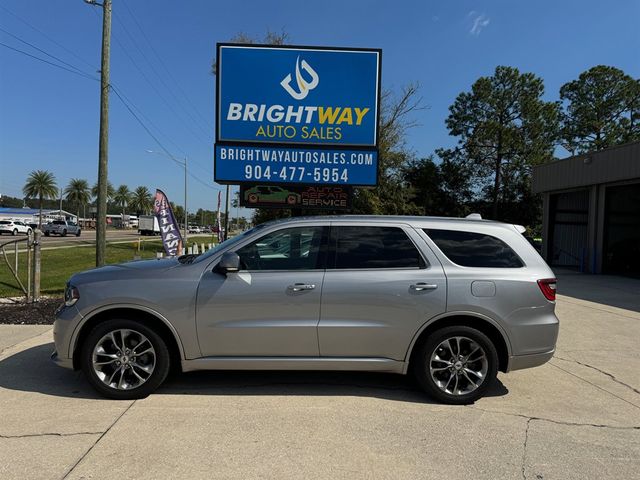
(418, 287)
(299, 287)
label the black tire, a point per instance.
(64, 233)
(422, 358)
(15, 232)
(150, 385)
(78, 233)
(46, 234)
(29, 231)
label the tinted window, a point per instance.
(59, 222)
(5, 222)
(470, 249)
(287, 249)
(375, 247)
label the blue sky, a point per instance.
(49, 117)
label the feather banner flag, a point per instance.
(171, 238)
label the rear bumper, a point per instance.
(519, 362)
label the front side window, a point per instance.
(471, 249)
(359, 247)
(297, 248)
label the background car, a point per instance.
(62, 228)
(14, 227)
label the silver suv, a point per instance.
(450, 300)
(62, 228)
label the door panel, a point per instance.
(272, 306)
(376, 312)
(257, 314)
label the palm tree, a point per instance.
(122, 197)
(40, 184)
(141, 200)
(78, 192)
(110, 191)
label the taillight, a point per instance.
(548, 288)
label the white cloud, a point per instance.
(479, 22)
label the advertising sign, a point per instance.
(305, 115)
(331, 197)
(171, 238)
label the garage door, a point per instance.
(622, 230)
(568, 229)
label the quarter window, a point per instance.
(299, 248)
(375, 247)
(471, 249)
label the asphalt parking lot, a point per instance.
(577, 417)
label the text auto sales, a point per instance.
(332, 117)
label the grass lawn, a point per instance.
(59, 264)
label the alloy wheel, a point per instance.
(123, 359)
(458, 365)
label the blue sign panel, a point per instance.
(297, 95)
(294, 101)
(274, 165)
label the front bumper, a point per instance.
(67, 318)
(60, 361)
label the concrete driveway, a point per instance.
(577, 417)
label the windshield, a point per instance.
(228, 243)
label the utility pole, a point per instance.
(103, 149)
(226, 215)
(186, 212)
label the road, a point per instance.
(88, 237)
(577, 417)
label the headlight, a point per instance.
(71, 295)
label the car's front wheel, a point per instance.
(78, 233)
(124, 359)
(456, 365)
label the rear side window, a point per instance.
(471, 249)
(374, 247)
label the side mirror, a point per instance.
(230, 262)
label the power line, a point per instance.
(155, 138)
(129, 105)
(41, 50)
(159, 77)
(195, 109)
(47, 37)
(76, 72)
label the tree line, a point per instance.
(503, 128)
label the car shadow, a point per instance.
(31, 371)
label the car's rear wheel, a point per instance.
(64, 233)
(29, 231)
(15, 232)
(456, 365)
(78, 233)
(46, 234)
(124, 359)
